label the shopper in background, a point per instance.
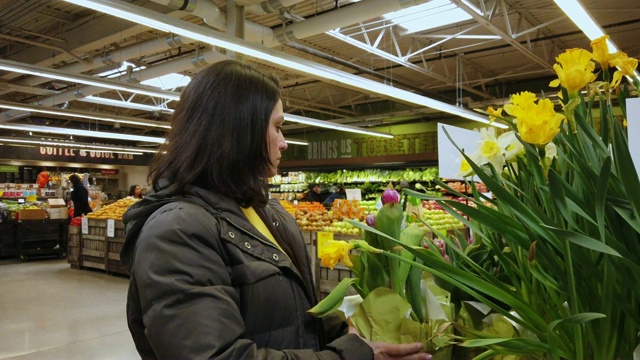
(313, 194)
(217, 270)
(79, 196)
(135, 192)
(336, 193)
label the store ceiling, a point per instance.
(474, 63)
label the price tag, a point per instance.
(353, 194)
(85, 225)
(295, 202)
(20, 201)
(111, 228)
(323, 236)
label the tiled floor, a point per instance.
(50, 311)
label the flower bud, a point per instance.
(390, 196)
(371, 219)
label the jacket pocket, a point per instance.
(267, 299)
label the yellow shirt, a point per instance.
(257, 222)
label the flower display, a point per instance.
(553, 271)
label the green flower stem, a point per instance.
(579, 348)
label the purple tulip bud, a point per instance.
(371, 219)
(390, 196)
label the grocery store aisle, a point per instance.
(50, 311)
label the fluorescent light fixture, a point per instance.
(82, 115)
(29, 69)
(168, 82)
(330, 125)
(83, 146)
(166, 23)
(124, 104)
(86, 133)
(583, 20)
(296, 142)
(430, 15)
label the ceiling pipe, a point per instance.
(116, 57)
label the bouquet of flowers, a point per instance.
(556, 250)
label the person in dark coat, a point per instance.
(216, 269)
(314, 193)
(79, 196)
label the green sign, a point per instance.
(9, 169)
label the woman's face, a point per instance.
(275, 139)
(138, 191)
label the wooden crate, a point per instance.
(94, 244)
(73, 246)
(114, 244)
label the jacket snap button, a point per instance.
(275, 223)
(275, 257)
(247, 245)
(232, 235)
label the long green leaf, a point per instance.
(584, 241)
(601, 194)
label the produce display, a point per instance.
(437, 218)
(14, 207)
(112, 211)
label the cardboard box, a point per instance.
(32, 214)
(57, 209)
(56, 203)
(58, 213)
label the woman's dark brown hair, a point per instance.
(218, 136)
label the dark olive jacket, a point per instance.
(206, 284)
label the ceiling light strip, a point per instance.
(85, 133)
(297, 142)
(166, 23)
(29, 69)
(124, 104)
(81, 114)
(330, 125)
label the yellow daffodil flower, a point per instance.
(626, 66)
(494, 114)
(333, 251)
(575, 70)
(601, 51)
(540, 125)
(537, 123)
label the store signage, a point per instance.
(111, 228)
(9, 169)
(71, 155)
(56, 151)
(84, 224)
(107, 172)
(329, 149)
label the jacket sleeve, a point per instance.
(189, 308)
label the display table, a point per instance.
(33, 238)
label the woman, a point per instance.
(79, 196)
(135, 192)
(217, 271)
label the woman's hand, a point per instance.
(383, 351)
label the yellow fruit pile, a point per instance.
(112, 211)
